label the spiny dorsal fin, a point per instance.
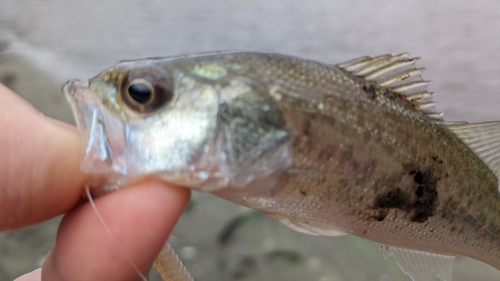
(483, 139)
(398, 73)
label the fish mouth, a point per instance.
(91, 118)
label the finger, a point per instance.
(35, 275)
(140, 217)
(39, 165)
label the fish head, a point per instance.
(160, 119)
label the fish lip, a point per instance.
(75, 86)
(89, 115)
(77, 94)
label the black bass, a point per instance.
(354, 148)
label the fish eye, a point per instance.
(145, 90)
(140, 91)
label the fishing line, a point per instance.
(127, 257)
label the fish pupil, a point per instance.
(140, 92)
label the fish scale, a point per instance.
(355, 148)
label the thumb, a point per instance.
(140, 217)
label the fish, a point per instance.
(352, 148)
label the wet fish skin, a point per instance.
(313, 145)
(395, 177)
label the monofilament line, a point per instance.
(127, 257)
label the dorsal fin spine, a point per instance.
(399, 74)
(389, 82)
(391, 67)
(425, 105)
(420, 96)
(363, 62)
(436, 116)
(377, 65)
(411, 86)
(356, 61)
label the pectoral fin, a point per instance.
(420, 266)
(170, 267)
(307, 228)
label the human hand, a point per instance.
(40, 178)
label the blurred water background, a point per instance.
(43, 43)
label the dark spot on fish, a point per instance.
(419, 217)
(426, 196)
(228, 232)
(392, 199)
(369, 90)
(364, 231)
(420, 191)
(303, 193)
(436, 159)
(381, 215)
(419, 199)
(418, 178)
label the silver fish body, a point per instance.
(325, 149)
